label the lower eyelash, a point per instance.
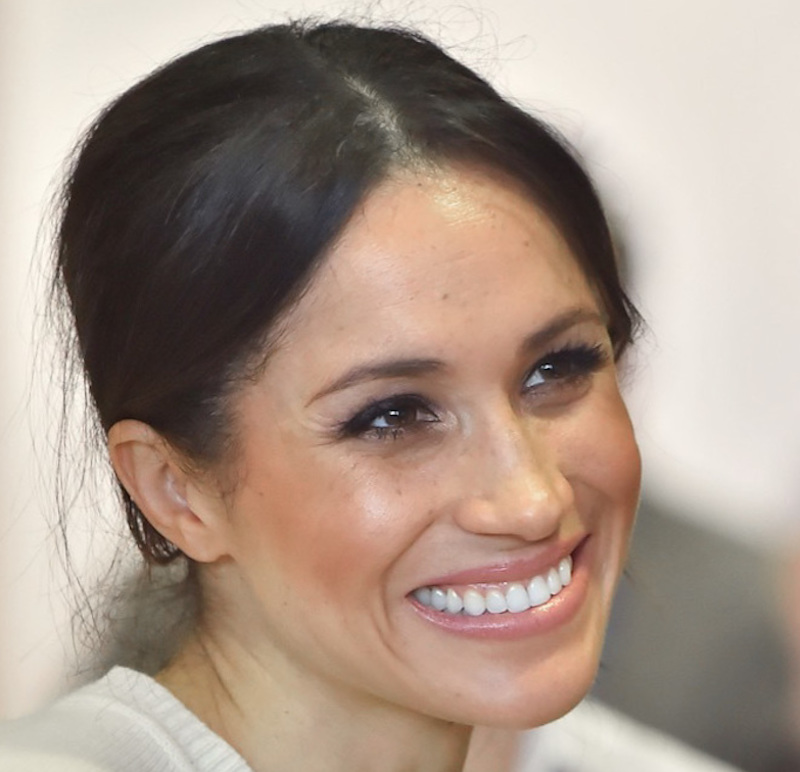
(567, 365)
(384, 433)
(581, 360)
(360, 424)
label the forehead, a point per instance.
(422, 248)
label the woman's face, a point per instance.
(440, 424)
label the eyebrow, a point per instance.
(405, 368)
(394, 368)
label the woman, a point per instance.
(350, 323)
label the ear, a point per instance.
(182, 508)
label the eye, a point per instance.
(565, 367)
(390, 418)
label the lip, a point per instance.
(511, 571)
(558, 611)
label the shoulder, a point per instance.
(594, 738)
(93, 729)
(125, 722)
(29, 760)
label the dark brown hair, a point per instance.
(201, 201)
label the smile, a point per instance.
(511, 597)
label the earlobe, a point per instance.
(174, 502)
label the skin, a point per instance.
(314, 541)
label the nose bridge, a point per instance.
(519, 487)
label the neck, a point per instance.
(279, 719)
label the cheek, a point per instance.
(601, 457)
(309, 522)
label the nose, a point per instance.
(514, 484)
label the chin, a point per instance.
(546, 691)
(552, 685)
(539, 706)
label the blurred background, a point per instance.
(688, 114)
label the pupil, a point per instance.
(395, 417)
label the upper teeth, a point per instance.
(514, 597)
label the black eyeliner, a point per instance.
(579, 359)
(359, 424)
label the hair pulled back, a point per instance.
(202, 199)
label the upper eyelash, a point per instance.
(592, 357)
(360, 423)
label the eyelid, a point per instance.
(358, 425)
(578, 359)
(582, 359)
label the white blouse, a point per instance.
(127, 722)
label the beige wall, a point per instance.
(689, 112)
